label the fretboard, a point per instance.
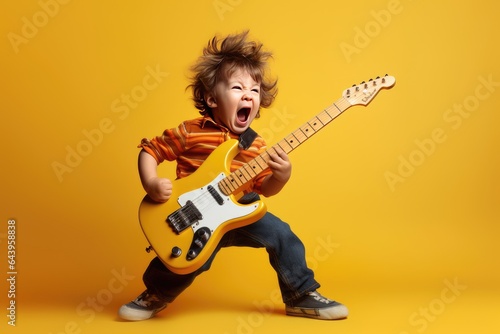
(239, 178)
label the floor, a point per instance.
(452, 307)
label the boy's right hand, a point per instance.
(159, 189)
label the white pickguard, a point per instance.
(214, 214)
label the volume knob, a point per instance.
(176, 251)
(204, 235)
(191, 255)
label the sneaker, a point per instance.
(314, 305)
(142, 308)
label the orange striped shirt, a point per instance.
(193, 141)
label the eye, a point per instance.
(256, 90)
(236, 87)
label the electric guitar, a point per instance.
(185, 230)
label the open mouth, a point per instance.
(242, 115)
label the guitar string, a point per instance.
(201, 202)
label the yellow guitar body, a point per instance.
(185, 230)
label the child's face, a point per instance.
(236, 101)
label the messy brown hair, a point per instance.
(221, 58)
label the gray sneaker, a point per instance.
(142, 308)
(314, 305)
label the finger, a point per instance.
(282, 154)
(275, 159)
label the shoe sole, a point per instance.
(338, 312)
(132, 314)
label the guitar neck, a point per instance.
(235, 181)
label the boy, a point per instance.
(230, 84)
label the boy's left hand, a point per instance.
(280, 166)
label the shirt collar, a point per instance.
(209, 121)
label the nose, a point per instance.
(247, 96)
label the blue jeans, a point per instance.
(286, 255)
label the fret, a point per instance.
(238, 175)
(307, 130)
(292, 140)
(281, 147)
(325, 118)
(300, 135)
(261, 162)
(262, 159)
(226, 187)
(250, 169)
(285, 145)
(267, 154)
(319, 120)
(235, 181)
(253, 168)
(316, 124)
(243, 174)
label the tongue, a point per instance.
(242, 115)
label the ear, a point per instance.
(210, 99)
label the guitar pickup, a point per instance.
(218, 198)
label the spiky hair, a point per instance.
(221, 58)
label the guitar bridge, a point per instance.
(184, 217)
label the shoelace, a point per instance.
(147, 299)
(320, 298)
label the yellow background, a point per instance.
(395, 202)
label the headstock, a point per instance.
(366, 91)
